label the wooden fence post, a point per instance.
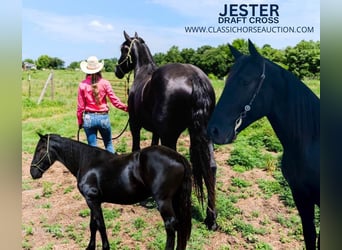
(45, 86)
(52, 86)
(29, 82)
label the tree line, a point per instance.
(303, 59)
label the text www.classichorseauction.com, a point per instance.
(262, 18)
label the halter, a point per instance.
(128, 57)
(248, 107)
(36, 165)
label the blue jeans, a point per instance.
(98, 122)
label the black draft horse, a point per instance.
(155, 171)
(257, 87)
(166, 101)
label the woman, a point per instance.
(92, 108)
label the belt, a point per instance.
(97, 112)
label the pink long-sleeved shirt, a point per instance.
(86, 100)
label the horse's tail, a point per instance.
(182, 207)
(203, 103)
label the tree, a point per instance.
(109, 64)
(29, 60)
(43, 62)
(46, 62)
(74, 65)
(173, 55)
(56, 63)
(159, 59)
(304, 59)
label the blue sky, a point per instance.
(74, 30)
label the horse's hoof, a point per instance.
(211, 224)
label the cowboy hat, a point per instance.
(92, 65)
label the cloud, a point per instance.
(99, 26)
(68, 28)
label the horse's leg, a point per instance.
(210, 220)
(170, 140)
(135, 131)
(306, 209)
(93, 229)
(167, 213)
(97, 222)
(155, 139)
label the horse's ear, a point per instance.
(126, 36)
(252, 50)
(136, 35)
(236, 54)
(40, 135)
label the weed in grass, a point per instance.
(77, 197)
(55, 229)
(116, 228)
(121, 146)
(244, 228)
(137, 235)
(26, 185)
(255, 214)
(47, 206)
(285, 194)
(115, 243)
(238, 182)
(26, 245)
(247, 156)
(139, 223)
(84, 212)
(226, 207)
(48, 246)
(68, 189)
(47, 189)
(263, 246)
(269, 188)
(28, 229)
(72, 234)
(110, 214)
(239, 168)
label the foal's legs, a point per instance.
(306, 209)
(97, 222)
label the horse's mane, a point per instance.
(148, 60)
(304, 110)
(78, 143)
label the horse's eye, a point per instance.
(124, 49)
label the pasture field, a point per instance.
(255, 206)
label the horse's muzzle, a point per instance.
(35, 173)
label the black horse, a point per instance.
(257, 87)
(166, 101)
(155, 171)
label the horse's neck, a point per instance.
(144, 61)
(68, 153)
(294, 113)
